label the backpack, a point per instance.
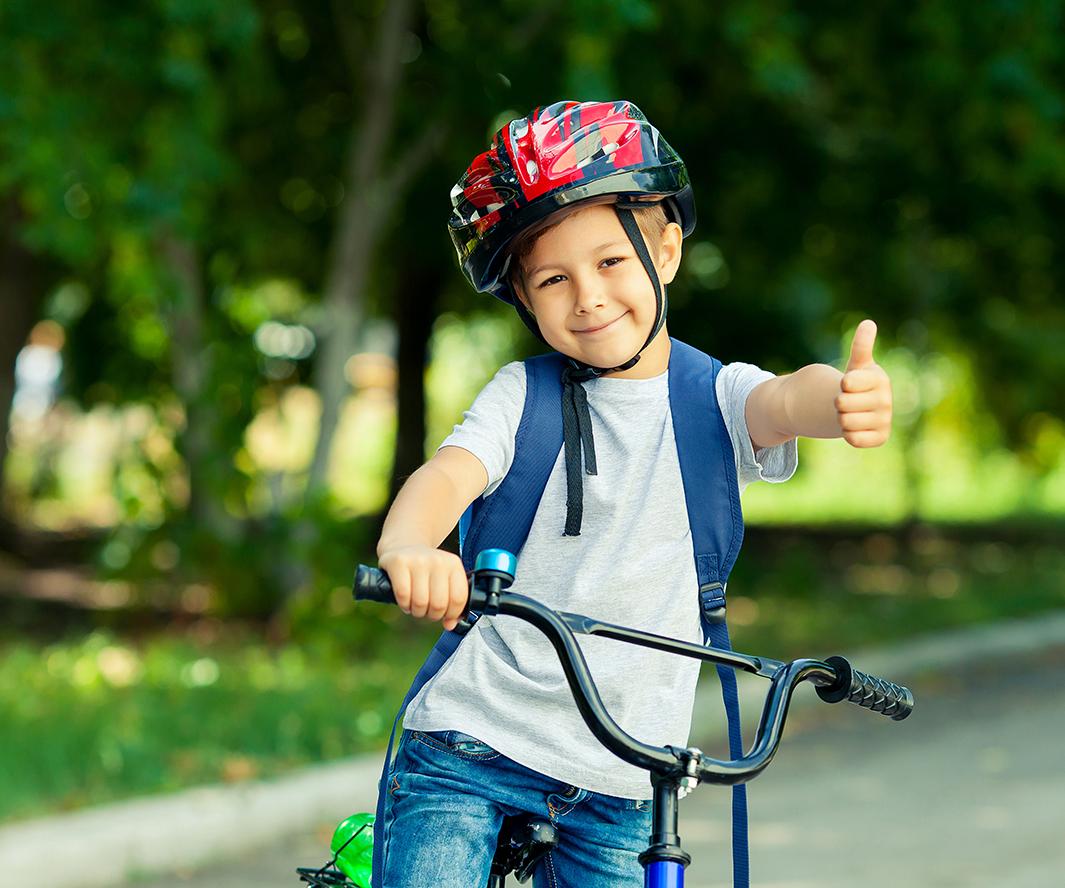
(708, 471)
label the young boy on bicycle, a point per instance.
(576, 217)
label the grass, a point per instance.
(102, 718)
(105, 716)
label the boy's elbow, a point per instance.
(766, 414)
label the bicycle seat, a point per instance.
(523, 840)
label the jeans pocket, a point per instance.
(456, 743)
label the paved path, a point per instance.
(967, 793)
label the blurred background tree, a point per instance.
(232, 322)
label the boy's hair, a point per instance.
(652, 221)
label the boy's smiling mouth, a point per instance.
(601, 327)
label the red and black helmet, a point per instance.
(558, 155)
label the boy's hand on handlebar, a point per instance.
(427, 582)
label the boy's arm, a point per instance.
(427, 581)
(820, 402)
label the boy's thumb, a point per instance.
(862, 346)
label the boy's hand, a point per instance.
(863, 405)
(427, 582)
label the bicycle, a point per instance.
(675, 772)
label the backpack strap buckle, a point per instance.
(712, 602)
(465, 624)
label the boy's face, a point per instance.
(588, 290)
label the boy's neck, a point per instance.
(654, 360)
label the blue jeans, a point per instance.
(447, 796)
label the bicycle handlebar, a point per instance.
(372, 584)
(835, 680)
(877, 694)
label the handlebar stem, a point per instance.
(665, 841)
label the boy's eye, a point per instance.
(612, 261)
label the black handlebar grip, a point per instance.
(881, 696)
(372, 584)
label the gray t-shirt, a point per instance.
(632, 564)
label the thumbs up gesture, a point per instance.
(863, 404)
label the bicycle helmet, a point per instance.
(558, 155)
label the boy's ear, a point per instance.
(669, 252)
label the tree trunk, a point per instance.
(415, 310)
(199, 440)
(359, 222)
(23, 280)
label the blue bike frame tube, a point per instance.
(664, 874)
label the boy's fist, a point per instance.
(863, 404)
(427, 582)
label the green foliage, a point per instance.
(901, 163)
(98, 142)
(105, 718)
(181, 566)
(802, 593)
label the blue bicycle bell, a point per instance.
(498, 561)
(493, 571)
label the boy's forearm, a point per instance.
(801, 404)
(410, 522)
(810, 402)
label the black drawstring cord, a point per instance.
(576, 437)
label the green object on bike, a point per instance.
(353, 846)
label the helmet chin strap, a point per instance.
(576, 418)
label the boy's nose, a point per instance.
(590, 296)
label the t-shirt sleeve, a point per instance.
(735, 382)
(488, 428)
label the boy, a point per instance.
(576, 216)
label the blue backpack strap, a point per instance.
(708, 470)
(711, 491)
(499, 521)
(503, 520)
